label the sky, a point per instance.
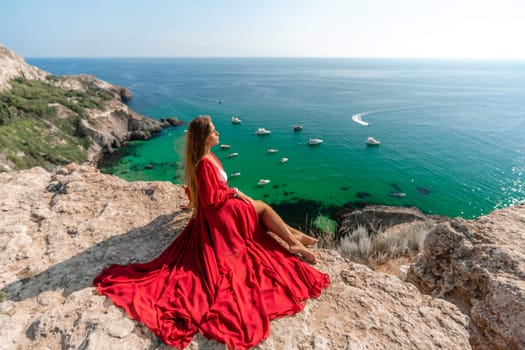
(483, 29)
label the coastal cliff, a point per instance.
(58, 230)
(48, 120)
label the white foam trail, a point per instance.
(357, 118)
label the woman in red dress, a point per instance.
(224, 276)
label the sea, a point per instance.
(451, 132)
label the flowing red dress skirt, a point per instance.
(224, 276)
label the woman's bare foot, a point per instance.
(308, 240)
(300, 249)
(303, 237)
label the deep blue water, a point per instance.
(451, 132)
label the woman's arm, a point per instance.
(212, 191)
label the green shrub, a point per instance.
(28, 124)
(54, 78)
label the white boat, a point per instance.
(236, 120)
(397, 194)
(236, 173)
(283, 160)
(370, 141)
(226, 146)
(297, 127)
(262, 131)
(273, 150)
(262, 182)
(234, 154)
(313, 142)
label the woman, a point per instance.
(224, 276)
(202, 136)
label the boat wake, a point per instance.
(216, 100)
(357, 118)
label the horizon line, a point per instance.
(290, 57)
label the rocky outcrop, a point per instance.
(479, 265)
(12, 66)
(171, 121)
(378, 218)
(114, 126)
(117, 123)
(58, 230)
(125, 94)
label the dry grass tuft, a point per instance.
(396, 243)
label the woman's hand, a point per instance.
(242, 196)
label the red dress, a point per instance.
(224, 276)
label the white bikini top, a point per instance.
(221, 171)
(223, 174)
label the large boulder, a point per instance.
(479, 265)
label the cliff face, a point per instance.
(109, 127)
(58, 230)
(71, 118)
(12, 66)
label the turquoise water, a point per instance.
(451, 132)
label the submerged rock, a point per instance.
(362, 195)
(423, 190)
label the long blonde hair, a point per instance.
(198, 131)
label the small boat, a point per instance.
(273, 150)
(236, 173)
(234, 154)
(283, 160)
(236, 120)
(262, 182)
(297, 127)
(218, 101)
(313, 142)
(397, 194)
(370, 141)
(262, 131)
(226, 146)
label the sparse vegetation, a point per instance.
(403, 241)
(356, 246)
(31, 132)
(31, 98)
(52, 77)
(324, 225)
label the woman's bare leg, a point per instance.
(273, 222)
(303, 237)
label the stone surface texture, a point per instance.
(58, 230)
(479, 266)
